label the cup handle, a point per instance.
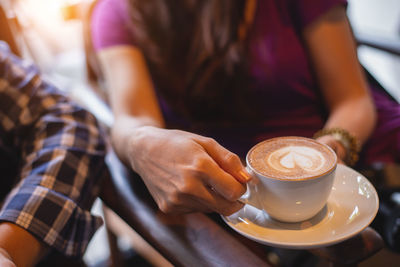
(249, 197)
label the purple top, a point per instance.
(283, 82)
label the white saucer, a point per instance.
(351, 207)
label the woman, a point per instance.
(237, 72)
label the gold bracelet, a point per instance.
(349, 142)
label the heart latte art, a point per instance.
(291, 158)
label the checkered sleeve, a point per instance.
(62, 153)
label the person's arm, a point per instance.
(19, 246)
(131, 92)
(5, 259)
(184, 172)
(57, 152)
(333, 54)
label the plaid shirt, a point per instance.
(51, 159)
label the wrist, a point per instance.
(128, 142)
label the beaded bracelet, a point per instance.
(349, 142)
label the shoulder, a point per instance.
(110, 11)
(110, 24)
(307, 11)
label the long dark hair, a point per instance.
(192, 47)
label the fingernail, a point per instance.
(245, 175)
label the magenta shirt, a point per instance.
(283, 84)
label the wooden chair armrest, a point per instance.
(353, 250)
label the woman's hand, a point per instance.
(185, 172)
(339, 149)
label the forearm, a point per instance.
(343, 85)
(59, 176)
(22, 248)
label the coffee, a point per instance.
(292, 177)
(291, 158)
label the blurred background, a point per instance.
(50, 32)
(52, 35)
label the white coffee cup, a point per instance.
(292, 177)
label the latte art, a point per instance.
(291, 158)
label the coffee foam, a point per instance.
(291, 158)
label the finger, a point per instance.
(222, 182)
(182, 203)
(198, 196)
(227, 160)
(210, 199)
(337, 146)
(225, 207)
